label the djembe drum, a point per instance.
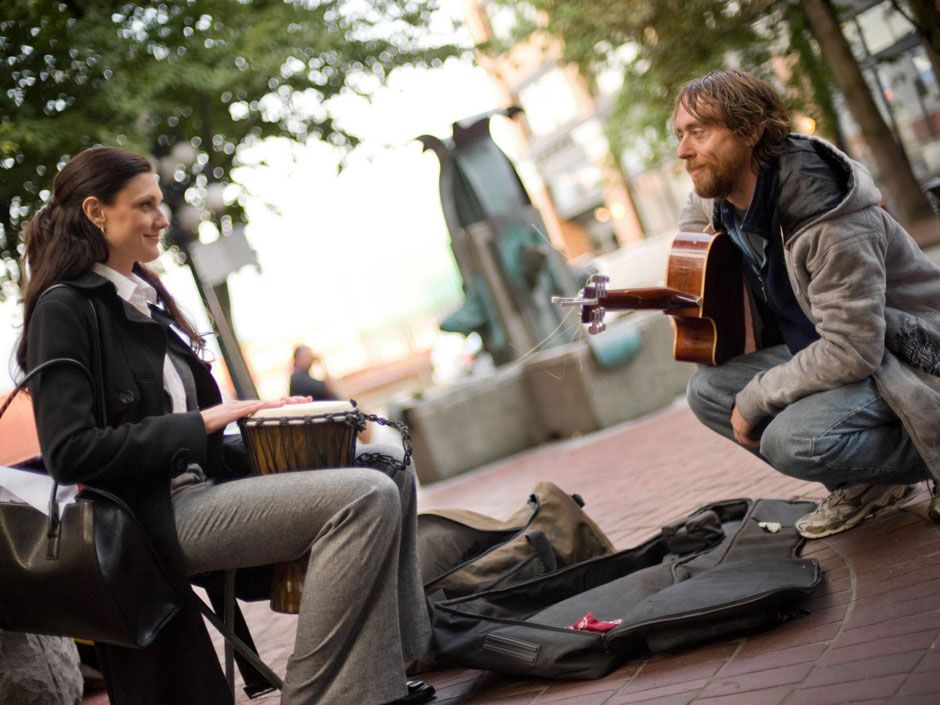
(312, 436)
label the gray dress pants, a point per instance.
(362, 612)
(840, 436)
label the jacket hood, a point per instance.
(818, 181)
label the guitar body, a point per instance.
(707, 267)
(703, 294)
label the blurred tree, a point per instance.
(658, 46)
(655, 46)
(189, 82)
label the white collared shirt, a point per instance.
(140, 294)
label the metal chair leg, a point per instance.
(229, 621)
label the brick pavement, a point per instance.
(872, 634)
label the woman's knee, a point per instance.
(389, 459)
(382, 493)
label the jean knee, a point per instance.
(790, 453)
(697, 390)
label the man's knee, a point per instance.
(704, 396)
(791, 452)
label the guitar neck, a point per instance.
(656, 298)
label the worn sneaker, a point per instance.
(933, 509)
(847, 506)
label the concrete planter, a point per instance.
(559, 393)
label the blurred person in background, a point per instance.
(302, 383)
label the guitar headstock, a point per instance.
(591, 301)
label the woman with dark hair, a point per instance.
(362, 612)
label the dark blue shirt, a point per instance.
(765, 270)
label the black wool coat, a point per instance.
(134, 457)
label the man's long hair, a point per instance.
(745, 104)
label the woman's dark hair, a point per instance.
(745, 104)
(62, 244)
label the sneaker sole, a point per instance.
(894, 505)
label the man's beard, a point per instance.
(719, 176)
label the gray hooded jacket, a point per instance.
(872, 294)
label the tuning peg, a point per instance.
(597, 324)
(599, 283)
(574, 301)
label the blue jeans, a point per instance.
(837, 437)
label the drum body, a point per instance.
(313, 436)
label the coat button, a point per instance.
(126, 397)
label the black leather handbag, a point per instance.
(90, 572)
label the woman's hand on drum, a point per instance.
(218, 417)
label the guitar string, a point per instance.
(540, 346)
(578, 328)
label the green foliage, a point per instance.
(658, 45)
(213, 74)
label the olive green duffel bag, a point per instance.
(463, 552)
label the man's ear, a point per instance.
(755, 136)
(91, 207)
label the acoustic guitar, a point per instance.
(703, 296)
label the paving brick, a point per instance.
(768, 696)
(930, 699)
(931, 660)
(918, 641)
(758, 680)
(837, 584)
(854, 671)
(905, 593)
(892, 581)
(828, 600)
(905, 625)
(676, 699)
(596, 698)
(743, 662)
(668, 693)
(873, 614)
(559, 690)
(922, 684)
(665, 672)
(847, 693)
(904, 546)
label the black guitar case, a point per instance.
(727, 567)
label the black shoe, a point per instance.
(418, 692)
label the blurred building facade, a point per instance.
(594, 201)
(562, 155)
(901, 79)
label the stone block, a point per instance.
(650, 380)
(557, 393)
(39, 670)
(469, 423)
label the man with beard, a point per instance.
(844, 387)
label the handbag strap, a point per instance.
(100, 412)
